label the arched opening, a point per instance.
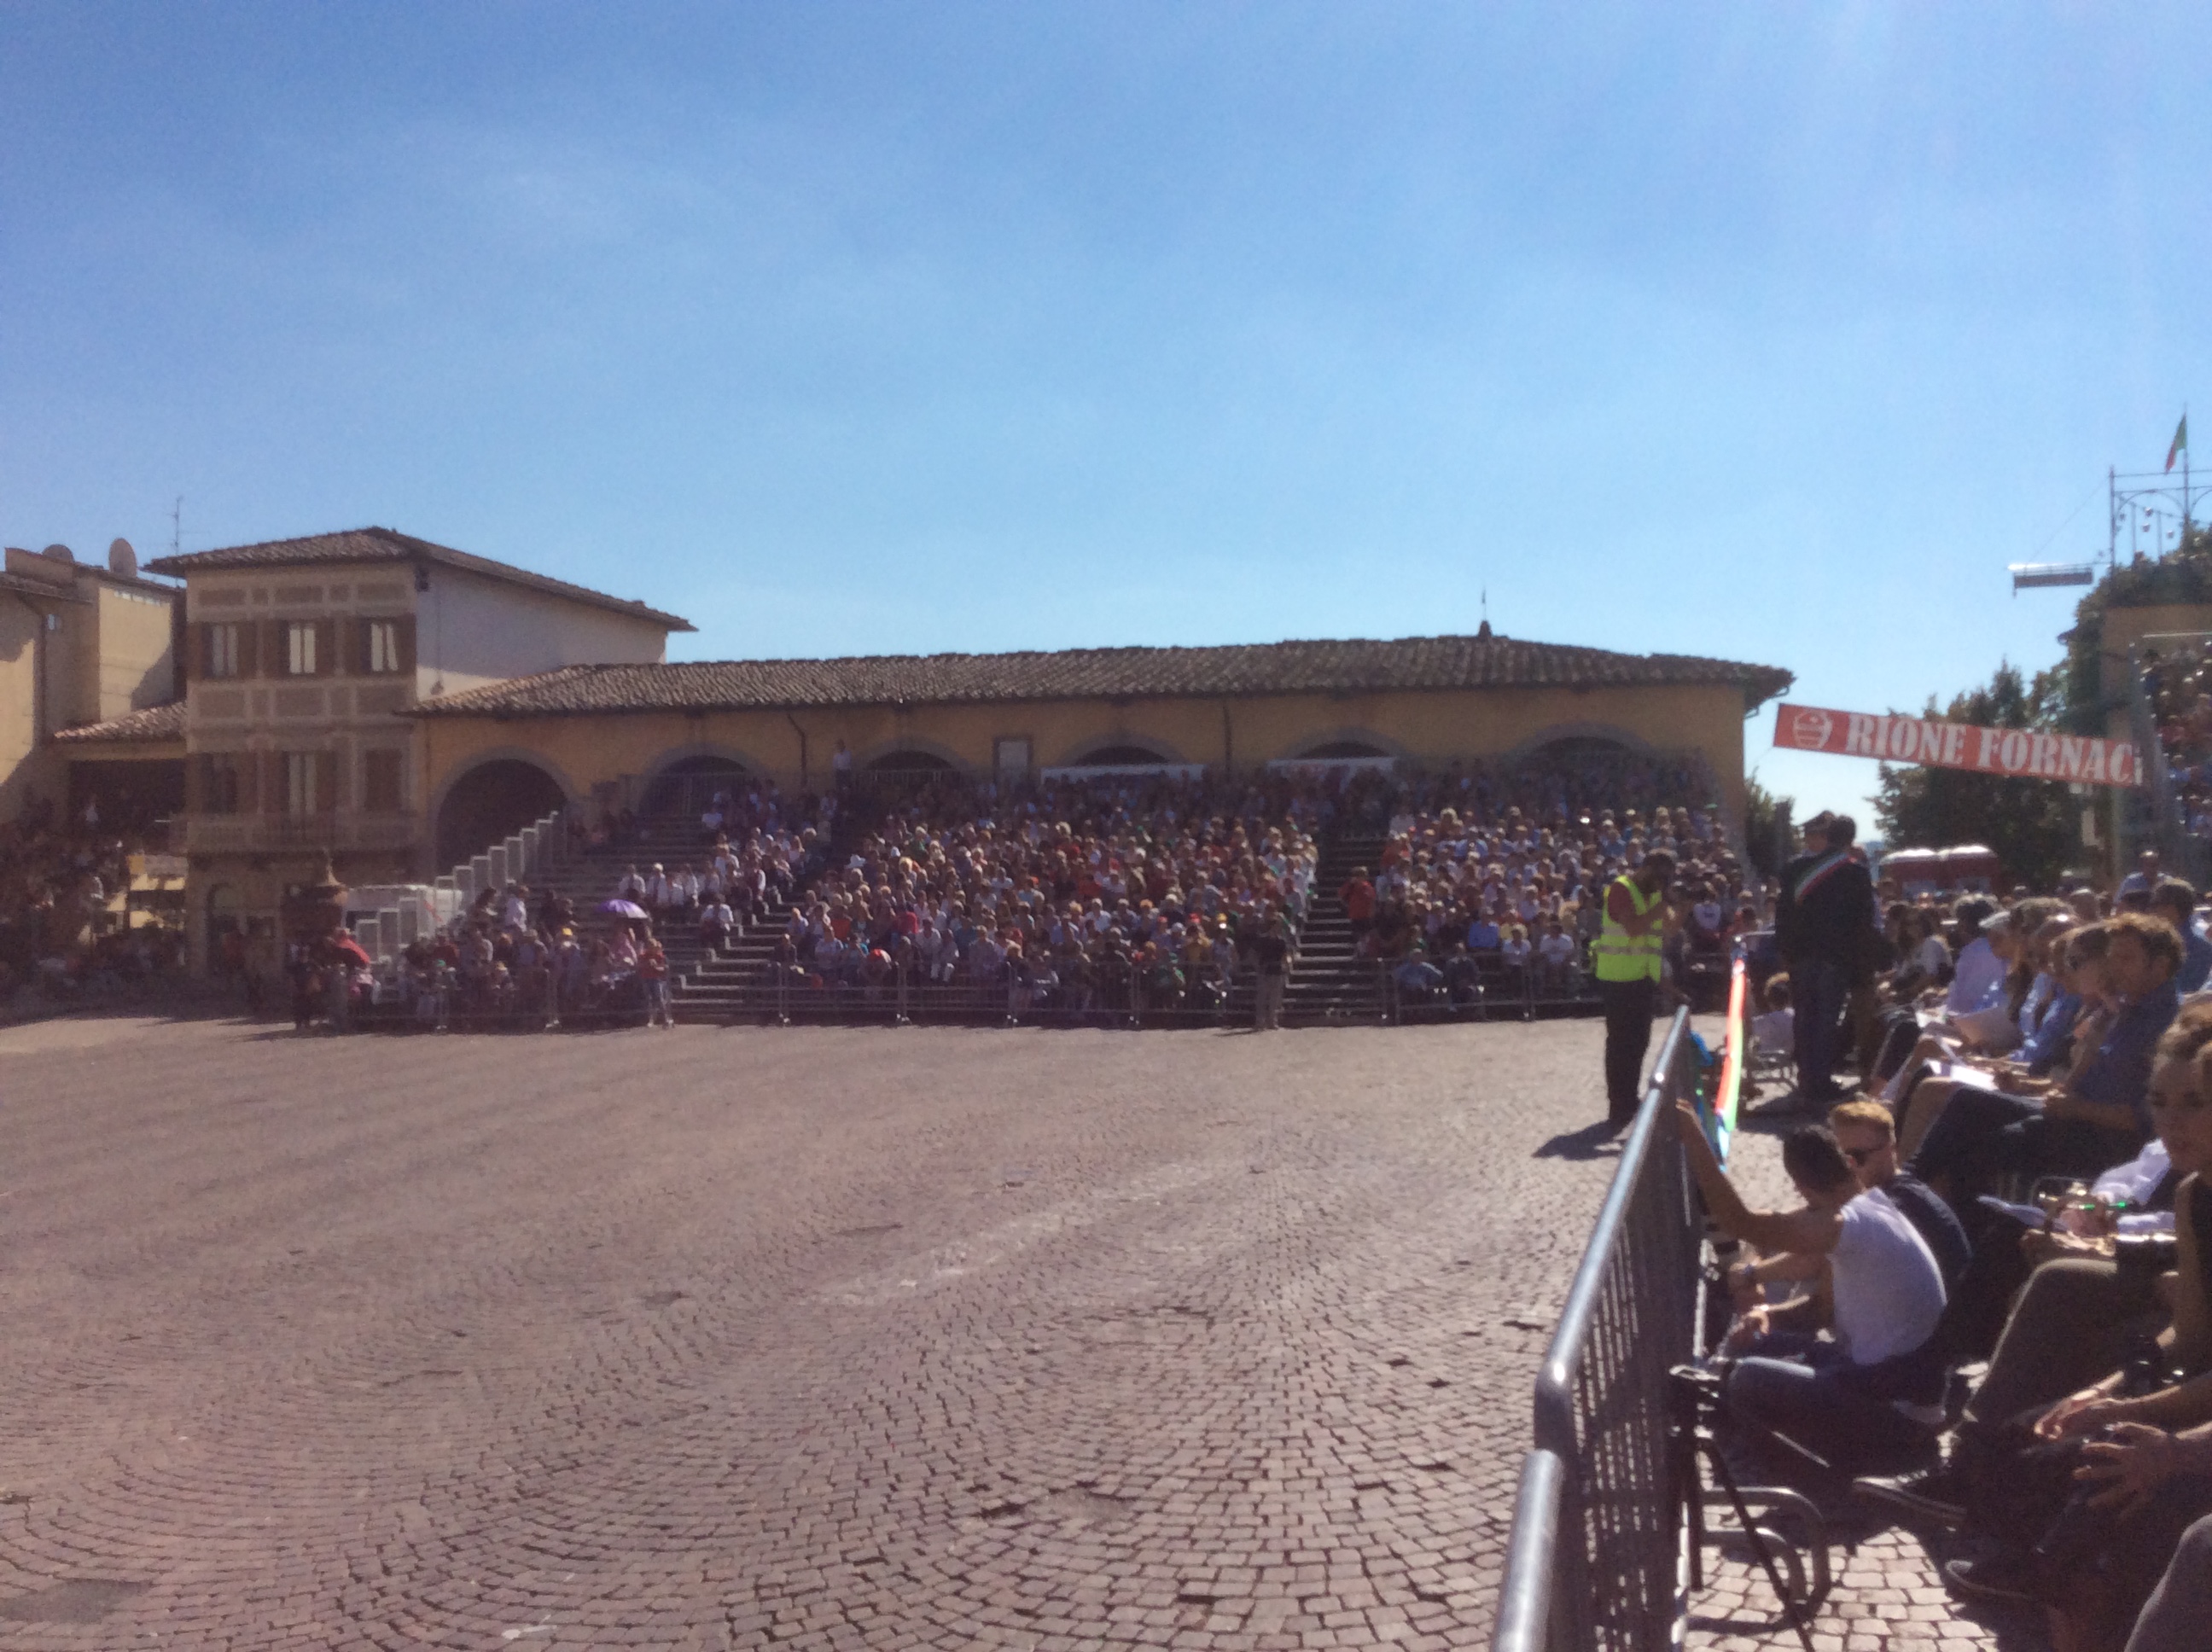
(687, 786)
(1342, 750)
(1121, 756)
(489, 804)
(224, 914)
(1575, 747)
(909, 762)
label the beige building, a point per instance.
(301, 659)
(619, 735)
(405, 705)
(79, 645)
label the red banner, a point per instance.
(2016, 753)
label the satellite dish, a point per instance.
(61, 553)
(121, 559)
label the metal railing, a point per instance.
(1592, 1563)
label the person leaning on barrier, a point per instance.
(1625, 961)
(1871, 1396)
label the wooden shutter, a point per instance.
(248, 766)
(272, 646)
(327, 801)
(326, 647)
(360, 662)
(272, 782)
(403, 631)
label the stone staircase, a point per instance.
(1328, 984)
(706, 986)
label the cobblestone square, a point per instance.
(710, 1338)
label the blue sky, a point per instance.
(1771, 332)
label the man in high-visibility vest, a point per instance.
(1624, 958)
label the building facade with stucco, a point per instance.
(79, 645)
(613, 736)
(402, 705)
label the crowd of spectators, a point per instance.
(59, 875)
(2177, 682)
(1459, 902)
(1993, 1311)
(1118, 895)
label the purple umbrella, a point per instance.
(623, 909)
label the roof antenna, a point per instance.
(176, 524)
(1486, 613)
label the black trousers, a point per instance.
(1628, 1006)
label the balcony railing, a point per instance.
(248, 834)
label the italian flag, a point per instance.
(2180, 443)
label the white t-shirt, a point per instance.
(1888, 1289)
(1775, 1033)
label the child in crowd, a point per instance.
(1774, 1031)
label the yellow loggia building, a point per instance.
(402, 705)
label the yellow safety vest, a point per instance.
(1620, 955)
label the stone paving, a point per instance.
(823, 1338)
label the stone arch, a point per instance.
(497, 795)
(1323, 744)
(226, 911)
(1110, 750)
(906, 752)
(678, 776)
(1579, 734)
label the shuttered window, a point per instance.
(225, 782)
(220, 653)
(310, 780)
(300, 648)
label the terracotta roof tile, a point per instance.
(1410, 663)
(385, 545)
(154, 723)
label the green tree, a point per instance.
(1766, 827)
(2034, 826)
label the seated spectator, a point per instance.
(2098, 1116)
(2076, 962)
(1774, 1030)
(1418, 980)
(1515, 953)
(2022, 1451)
(1558, 959)
(717, 923)
(2175, 899)
(2173, 1619)
(1462, 976)
(1871, 1396)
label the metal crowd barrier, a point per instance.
(903, 998)
(1592, 1563)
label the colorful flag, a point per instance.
(2180, 441)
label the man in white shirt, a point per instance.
(1977, 978)
(1872, 1397)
